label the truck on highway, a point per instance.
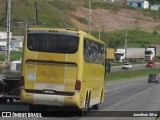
(10, 83)
(119, 55)
(135, 54)
(152, 52)
(129, 54)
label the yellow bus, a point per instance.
(62, 67)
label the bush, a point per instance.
(14, 55)
(155, 32)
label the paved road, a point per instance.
(134, 95)
(134, 67)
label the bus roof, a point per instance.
(68, 30)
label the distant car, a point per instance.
(151, 64)
(153, 78)
(127, 66)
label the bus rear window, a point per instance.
(54, 43)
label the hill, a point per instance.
(105, 17)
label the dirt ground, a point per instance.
(110, 20)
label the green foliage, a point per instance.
(51, 13)
(153, 13)
(136, 38)
(2, 57)
(155, 32)
(13, 56)
(16, 55)
(106, 5)
(1, 70)
(68, 5)
(122, 75)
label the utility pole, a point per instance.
(103, 27)
(36, 11)
(103, 32)
(89, 18)
(8, 30)
(99, 36)
(126, 40)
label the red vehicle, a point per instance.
(151, 64)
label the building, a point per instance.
(15, 41)
(155, 7)
(139, 3)
(3, 38)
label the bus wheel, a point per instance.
(4, 101)
(11, 100)
(95, 107)
(84, 110)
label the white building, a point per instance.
(3, 38)
(139, 3)
(15, 41)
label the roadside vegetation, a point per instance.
(104, 5)
(57, 13)
(127, 75)
(15, 55)
(136, 38)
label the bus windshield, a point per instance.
(53, 43)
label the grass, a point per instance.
(136, 38)
(129, 74)
(51, 13)
(13, 56)
(1, 70)
(57, 13)
(105, 5)
(118, 7)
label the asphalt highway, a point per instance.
(134, 95)
(134, 67)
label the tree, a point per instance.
(154, 1)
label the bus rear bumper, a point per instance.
(51, 100)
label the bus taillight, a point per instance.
(78, 85)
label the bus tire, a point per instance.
(84, 110)
(4, 101)
(95, 107)
(11, 100)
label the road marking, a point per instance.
(124, 86)
(106, 91)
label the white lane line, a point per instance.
(106, 91)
